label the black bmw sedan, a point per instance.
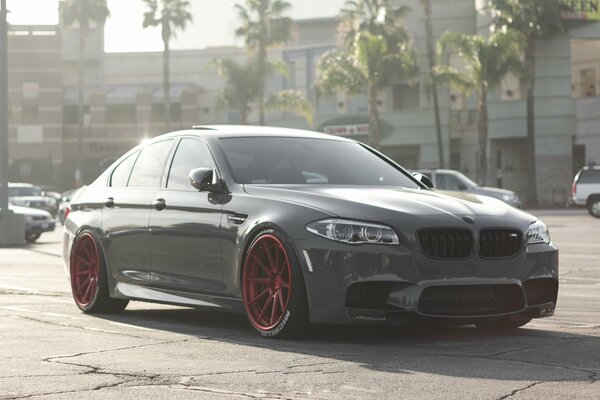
(292, 227)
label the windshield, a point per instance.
(284, 161)
(24, 191)
(466, 180)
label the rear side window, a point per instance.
(589, 176)
(150, 165)
(120, 175)
(190, 154)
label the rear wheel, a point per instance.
(505, 323)
(594, 207)
(89, 279)
(273, 287)
(32, 237)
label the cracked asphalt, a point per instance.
(49, 350)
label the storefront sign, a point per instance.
(582, 9)
(347, 130)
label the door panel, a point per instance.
(126, 212)
(184, 242)
(185, 227)
(125, 224)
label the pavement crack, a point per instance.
(514, 392)
(64, 325)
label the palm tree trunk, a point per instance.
(431, 58)
(262, 62)
(244, 115)
(530, 62)
(482, 137)
(167, 85)
(373, 118)
(80, 84)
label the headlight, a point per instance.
(353, 232)
(538, 233)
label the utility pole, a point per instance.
(12, 226)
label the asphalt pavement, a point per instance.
(50, 350)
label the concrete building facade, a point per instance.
(124, 99)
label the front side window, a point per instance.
(191, 154)
(150, 165)
(120, 175)
(285, 161)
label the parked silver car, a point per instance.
(28, 195)
(36, 222)
(452, 180)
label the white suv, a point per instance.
(586, 189)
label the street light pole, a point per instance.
(3, 109)
(12, 226)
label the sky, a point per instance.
(213, 25)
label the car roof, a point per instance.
(591, 167)
(230, 131)
(29, 185)
(448, 171)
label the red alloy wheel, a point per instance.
(85, 270)
(267, 282)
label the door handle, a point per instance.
(110, 202)
(159, 204)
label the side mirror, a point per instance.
(424, 179)
(205, 180)
(462, 187)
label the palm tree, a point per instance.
(83, 13)
(426, 4)
(241, 91)
(377, 53)
(170, 15)
(488, 61)
(535, 22)
(262, 25)
(241, 86)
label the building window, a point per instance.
(31, 90)
(588, 82)
(158, 113)
(510, 88)
(29, 114)
(405, 96)
(120, 114)
(71, 112)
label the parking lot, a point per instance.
(49, 350)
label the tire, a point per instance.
(594, 207)
(273, 287)
(89, 278)
(32, 237)
(505, 323)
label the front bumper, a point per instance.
(399, 285)
(40, 226)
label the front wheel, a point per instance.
(89, 279)
(32, 237)
(505, 323)
(594, 207)
(273, 287)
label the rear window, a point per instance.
(150, 165)
(591, 175)
(285, 161)
(24, 191)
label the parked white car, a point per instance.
(36, 221)
(585, 191)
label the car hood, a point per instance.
(365, 202)
(28, 211)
